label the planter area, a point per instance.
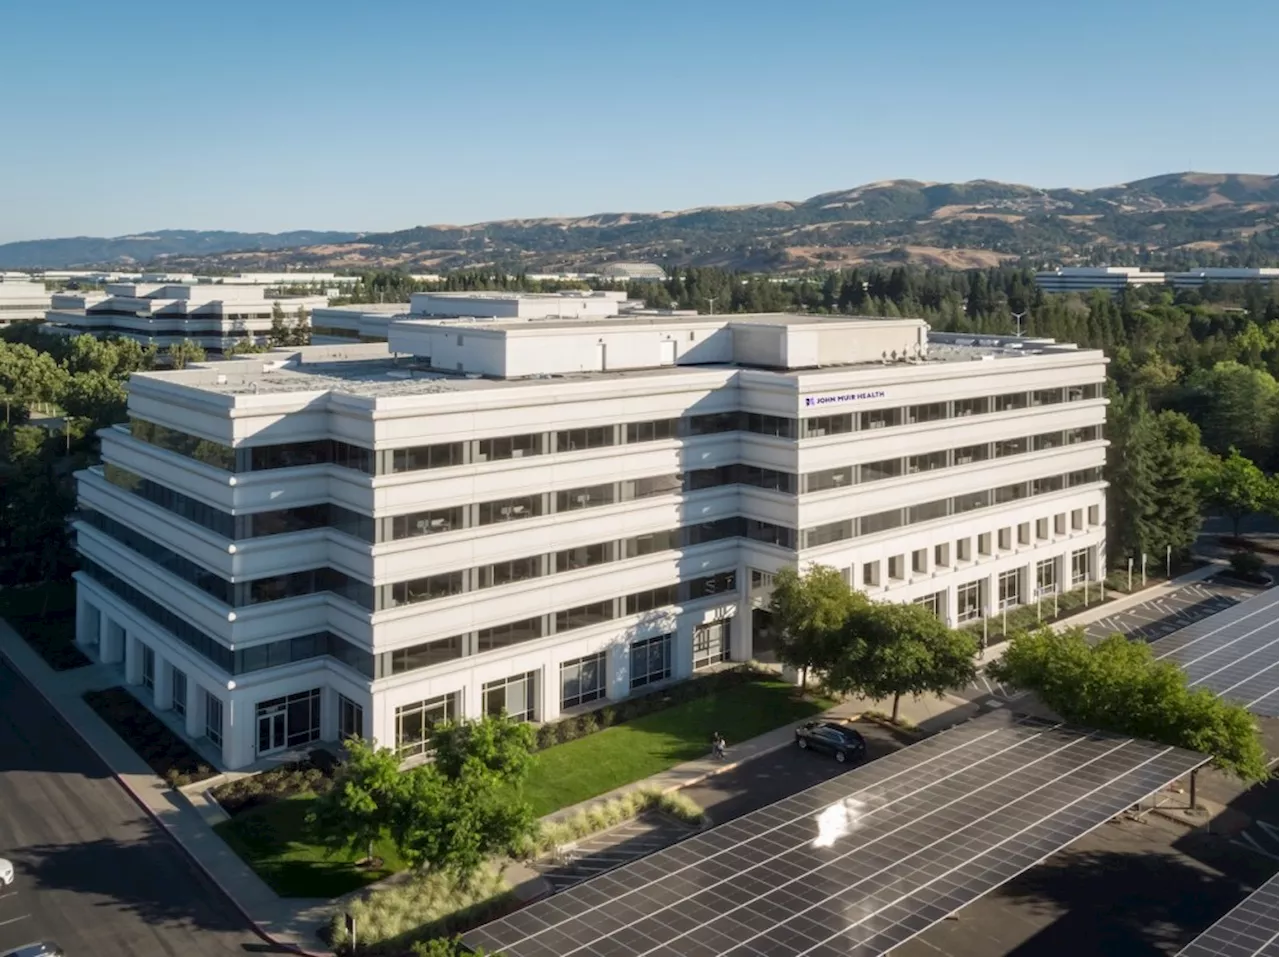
(155, 742)
(45, 617)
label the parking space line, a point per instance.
(13, 920)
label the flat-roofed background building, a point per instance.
(21, 300)
(1085, 278)
(541, 516)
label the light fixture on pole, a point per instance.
(1017, 322)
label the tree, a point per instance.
(1117, 685)
(278, 334)
(1237, 488)
(495, 745)
(358, 810)
(810, 610)
(300, 332)
(1235, 406)
(888, 650)
(184, 353)
(97, 397)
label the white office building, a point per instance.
(21, 300)
(1086, 278)
(1199, 277)
(215, 317)
(543, 516)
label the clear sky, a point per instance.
(384, 114)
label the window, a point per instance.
(880, 522)
(968, 454)
(1050, 483)
(1077, 519)
(512, 633)
(588, 496)
(770, 425)
(964, 549)
(1011, 401)
(288, 721)
(768, 533)
(213, 718)
(871, 574)
(510, 509)
(584, 615)
(418, 656)
(1087, 434)
(897, 568)
(962, 408)
(936, 603)
(584, 556)
(769, 479)
(1010, 447)
(506, 573)
(426, 589)
(427, 457)
(210, 453)
(927, 462)
(826, 534)
(652, 599)
(710, 644)
(713, 423)
(654, 431)
(876, 471)
(575, 440)
(931, 412)
(148, 655)
(970, 501)
(426, 523)
(827, 425)
(652, 486)
(1047, 576)
(1060, 523)
(1024, 533)
(708, 585)
(1075, 393)
(1084, 477)
(1042, 529)
(697, 479)
(969, 601)
(920, 561)
(179, 686)
(928, 511)
(1010, 493)
(828, 479)
(942, 555)
(1046, 397)
(1094, 512)
(509, 447)
(654, 542)
(650, 660)
(414, 722)
(582, 680)
(1004, 539)
(1080, 567)
(984, 543)
(350, 719)
(1048, 440)
(1010, 589)
(880, 419)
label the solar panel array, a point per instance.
(1234, 653)
(858, 864)
(1248, 930)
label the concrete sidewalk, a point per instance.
(288, 922)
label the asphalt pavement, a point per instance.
(1163, 616)
(94, 872)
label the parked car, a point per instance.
(38, 949)
(832, 738)
(6, 872)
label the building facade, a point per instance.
(1084, 278)
(21, 300)
(1199, 277)
(541, 516)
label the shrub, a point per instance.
(546, 736)
(1247, 566)
(162, 749)
(607, 814)
(314, 775)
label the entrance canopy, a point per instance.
(861, 863)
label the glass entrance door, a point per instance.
(271, 729)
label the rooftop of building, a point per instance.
(367, 308)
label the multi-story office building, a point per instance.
(1085, 278)
(215, 317)
(1199, 277)
(21, 300)
(539, 516)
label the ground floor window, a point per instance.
(650, 660)
(350, 718)
(179, 692)
(969, 601)
(289, 721)
(1047, 576)
(582, 680)
(148, 666)
(515, 695)
(1010, 589)
(415, 721)
(1080, 566)
(710, 644)
(213, 718)
(936, 603)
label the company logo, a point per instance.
(813, 400)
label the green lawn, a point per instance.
(578, 770)
(45, 616)
(272, 839)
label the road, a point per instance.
(94, 872)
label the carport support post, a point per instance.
(1192, 789)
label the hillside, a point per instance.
(1176, 219)
(144, 248)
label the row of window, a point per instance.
(973, 602)
(449, 454)
(427, 654)
(929, 511)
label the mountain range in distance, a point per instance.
(1188, 218)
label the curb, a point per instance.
(255, 927)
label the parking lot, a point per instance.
(1163, 616)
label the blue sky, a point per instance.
(384, 114)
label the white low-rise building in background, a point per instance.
(21, 300)
(540, 516)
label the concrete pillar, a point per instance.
(88, 623)
(472, 702)
(682, 647)
(548, 700)
(163, 684)
(111, 641)
(328, 714)
(618, 661)
(195, 709)
(132, 660)
(238, 734)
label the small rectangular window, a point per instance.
(1042, 529)
(897, 568)
(1004, 539)
(878, 471)
(1077, 519)
(984, 544)
(871, 574)
(920, 561)
(1060, 523)
(880, 419)
(1093, 515)
(964, 549)
(941, 555)
(1024, 533)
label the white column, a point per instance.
(88, 622)
(328, 714)
(195, 709)
(237, 733)
(163, 684)
(618, 661)
(740, 625)
(111, 641)
(682, 646)
(132, 660)
(548, 703)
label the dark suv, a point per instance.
(838, 739)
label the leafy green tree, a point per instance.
(1238, 488)
(184, 353)
(494, 745)
(888, 650)
(1118, 686)
(448, 947)
(810, 610)
(366, 794)
(1236, 406)
(97, 397)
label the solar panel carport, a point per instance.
(861, 863)
(1235, 653)
(1248, 930)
